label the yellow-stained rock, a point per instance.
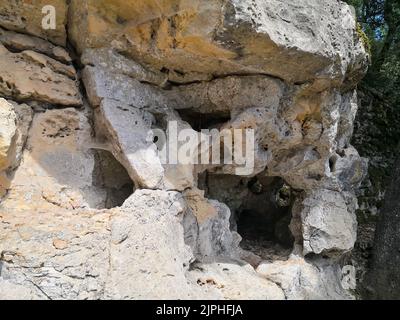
(280, 38)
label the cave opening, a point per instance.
(200, 121)
(261, 206)
(260, 212)
(112, 178)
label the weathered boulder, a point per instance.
(128, 130)
(128, 133)
(327, 223)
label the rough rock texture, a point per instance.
(8, 131)
(88, 208)
(26, 17)
(57, 164)
(297, 42)
(302, 279)
(15, 122)
(20, 42)
(327, 222)
(137, 251)
(33, 76)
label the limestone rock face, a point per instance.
(32, 76)
(114, 254)
(296, 42)
(27, 16)
(327, 224)
(141, 266)
(89, 206)
(232, 282)
(15, 122)
(8, 131)
(20, 42)
(304, 280)
(128, 129)
(59, 165)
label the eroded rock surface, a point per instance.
(89, 209)
(297, 42)
(33, 76)
(27, 17)
(15, 122)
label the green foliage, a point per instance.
(377, 127)
(379, 30)
(364, 38)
